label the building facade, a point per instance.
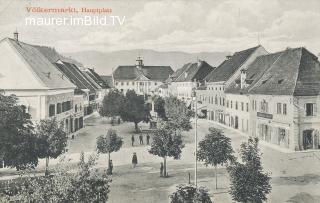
(144, 80)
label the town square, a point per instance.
(166, 105)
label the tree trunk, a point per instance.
(165, 166)
(47, 166)
(136, 127)
(108, 169)
(215, 167)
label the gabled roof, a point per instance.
(254, 72)
(107, 79)
(91, 80)
(96, 77)
(159, 73)
(45, 71)
(194, 71)
(291, 72)
(75, 75)
(227, 68)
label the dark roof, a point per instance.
(291, 72)
(227, 68)
(75, 76)
(254, 72)
(107, 79)
(194, 71)
(96, 77)
(47, 73)
(160, 73)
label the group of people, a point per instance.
(140, 139)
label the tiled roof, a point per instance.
(108, 80)
(194, 71)
(254, 72)
(75, 76)
(48, 74)
(227, 68)
(291, 72)
(97, 78)
(159, 73)
(91, 80)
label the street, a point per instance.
(295, 175)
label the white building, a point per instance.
(143, 79)
(29, 75)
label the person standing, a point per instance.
(132, 140)
(134, 160)
(141, 139)
(161, 169)
(148, 139)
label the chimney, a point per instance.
(16, 35)
(228, 57)
(199, 62)
(243, 77)
(139, 62)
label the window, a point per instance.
(230, 104)
(279, 108)
(127, 83)
(223, 102)
(117, 83)
(59, 110)
(121, 83)
(236, 105)
(255, 105)
(252, 104)
(242, 106)
(247, 107)
(75, 108)
(284, 109)
(227, 103)
(220, 101)
(310, 109)
(132, 83)
(51, 110)
(216, 100)
(264, 106)
(155, 83)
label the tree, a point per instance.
(190, 194)
(17, 139)
(65, 185)
(248, 182)
(166, 143)
(134, 109)
(177, 112)
(52, 140)
(109, 143)
(215, 149)
(159, 104)
(112, 104)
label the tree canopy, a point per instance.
(81, 185)
(166, 143)
(215, 149)
(159, 104)
(134, 109)
(112, 103)
(52, 140)
(17, 138)
(109, 143)
(248, 181)
(190, 194)
(177, 112)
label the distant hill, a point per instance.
(104, 62)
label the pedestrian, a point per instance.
(141, 139)
(134, 160)
(148, 139)
(132, 140)
(119, 121)
(161, 169)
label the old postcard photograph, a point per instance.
(160, 101)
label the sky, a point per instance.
(173, 25)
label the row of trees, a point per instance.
(130, 107)
(22, 144)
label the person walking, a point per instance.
(148, 139)
(141, 139)
(134, 160)
(161, 169)
(132, 140)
